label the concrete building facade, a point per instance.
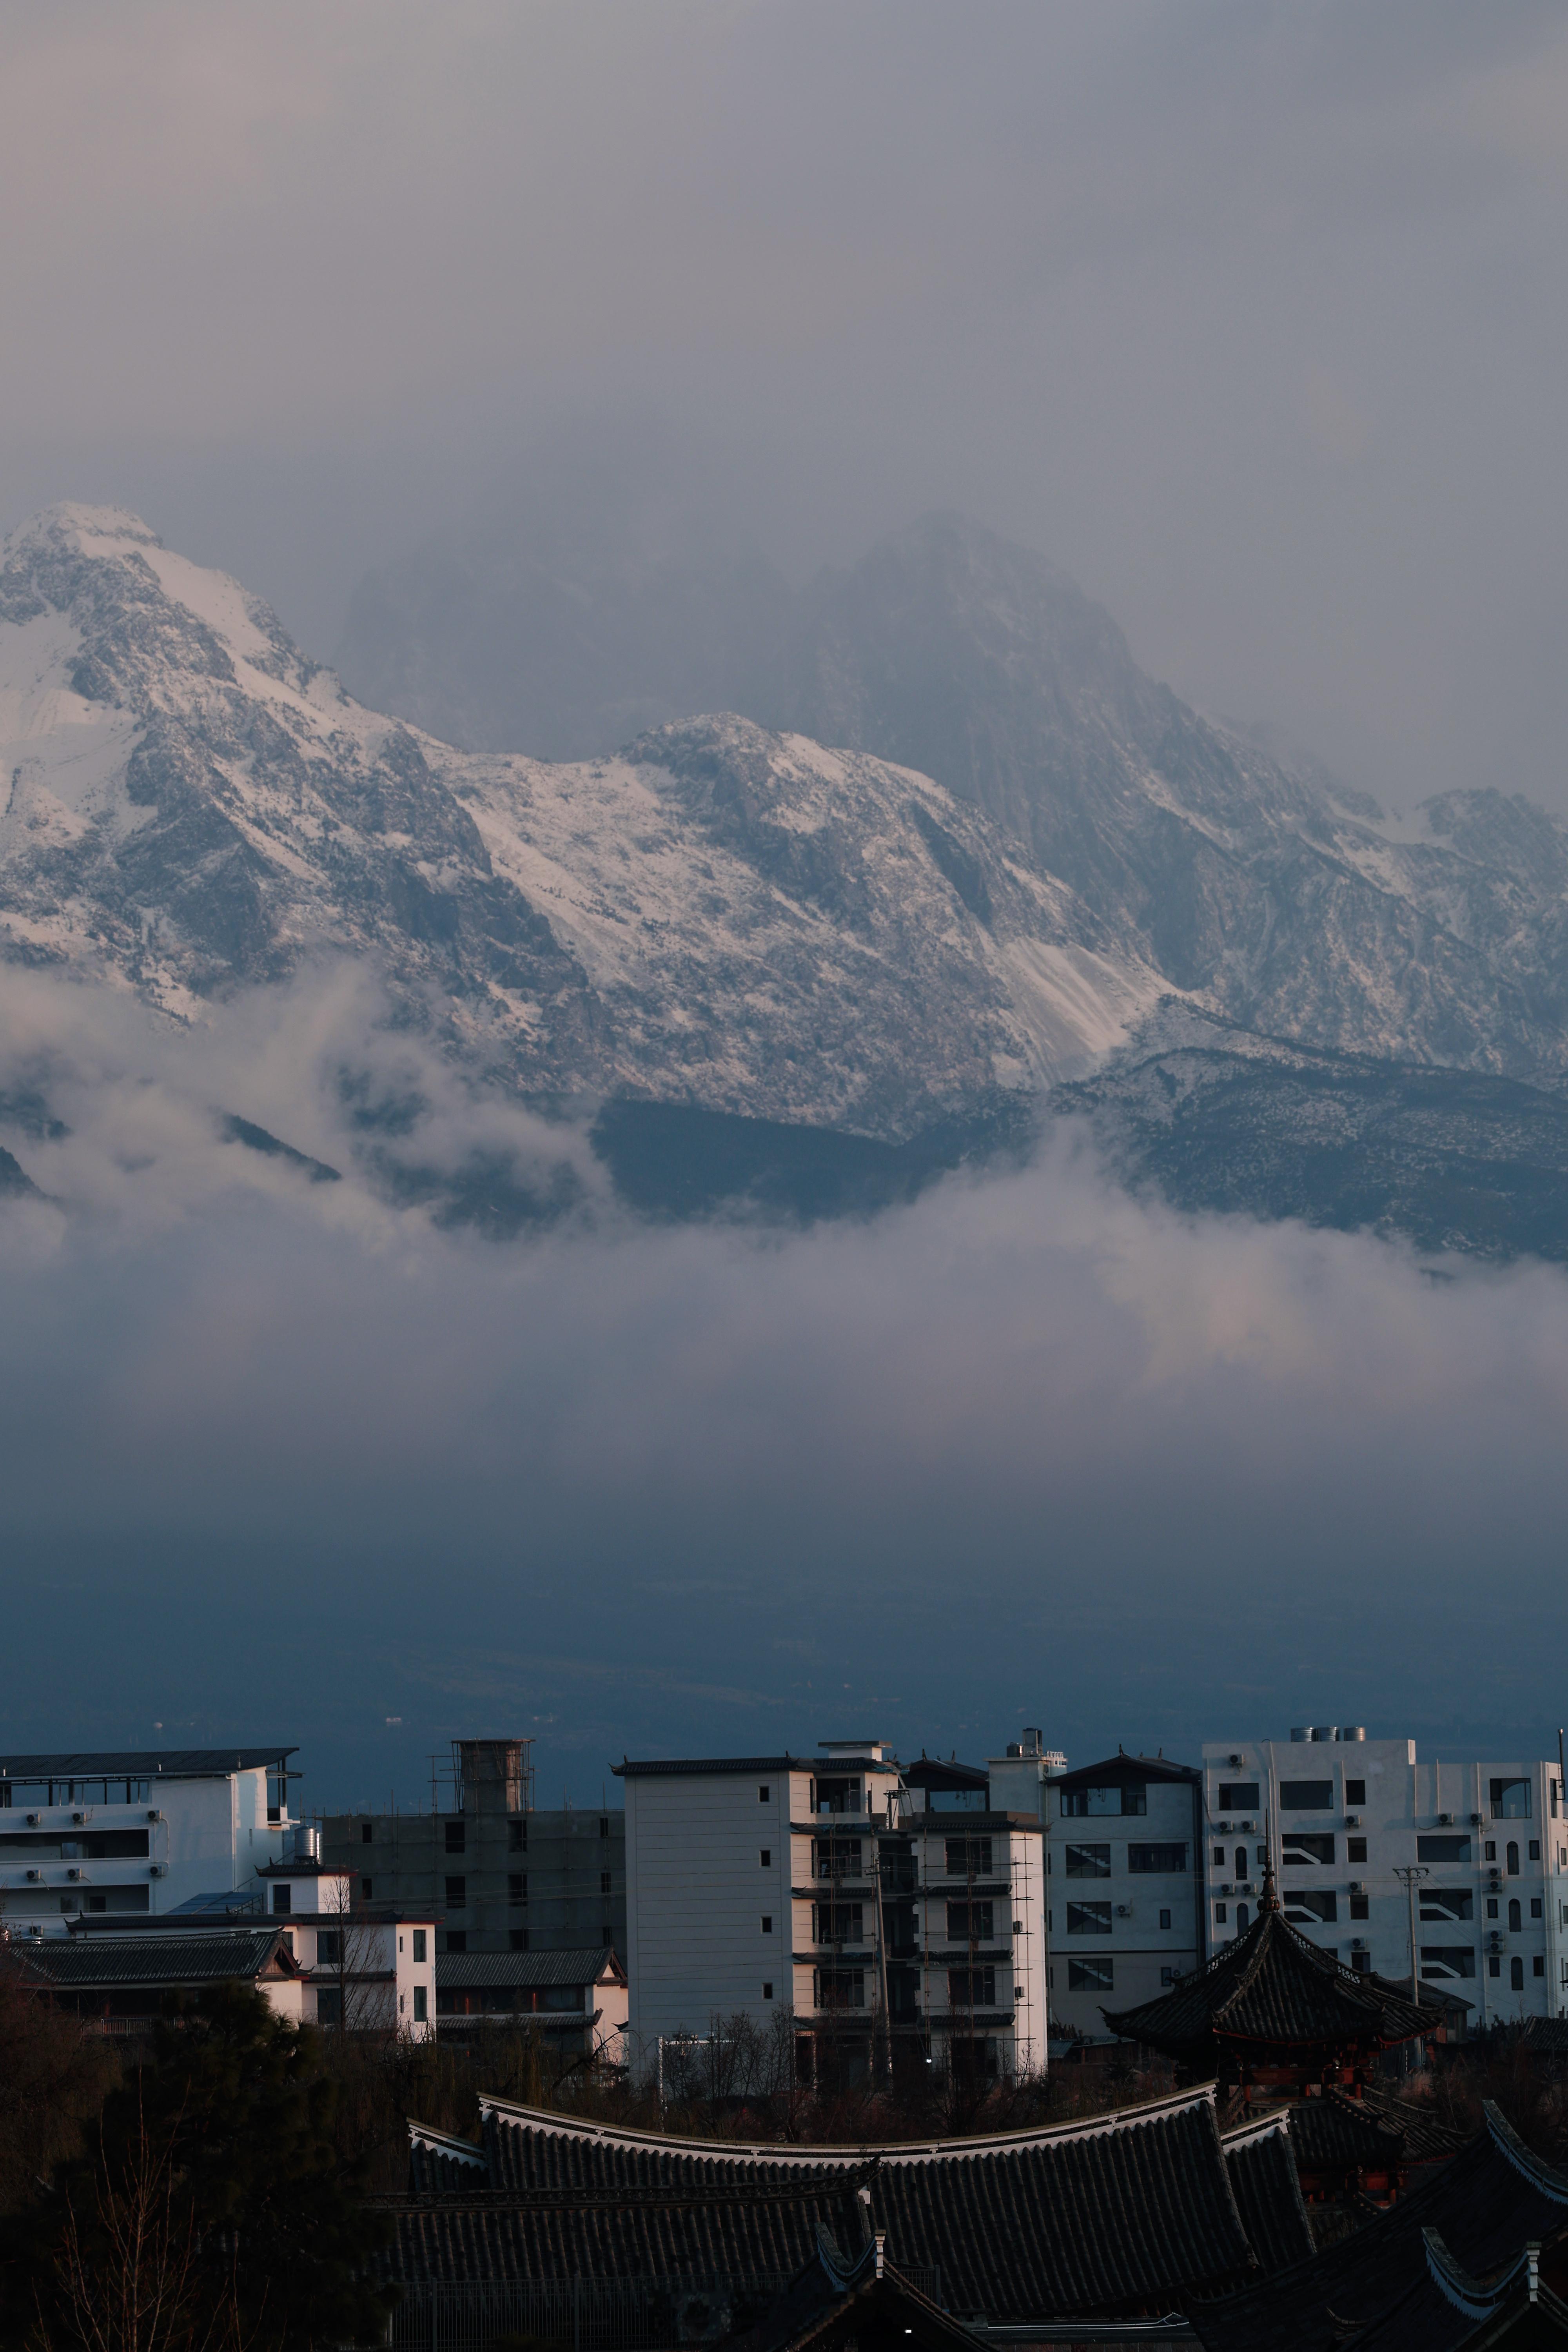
(1371, 1846)
(498, 1875)
(895, 1914)
(132, 1834)
(1125, 1887)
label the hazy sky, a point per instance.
(1251, 315)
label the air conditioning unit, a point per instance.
(159, 1870)
(1494, 1940)
(1124, 1910)
(79, 1817)
(73, 1874)
(154, 1814)
(1226, 1889)
(1446, 1820)
(1358, 1887)
(1476, 1820)
(1223, 1828)
(1352, 1820)
(34, 1819)
(1244, 1886)
(1235, 1759)
(1249, 1828)
(1358, 1943)
(36, 1877)
(1018, 1926)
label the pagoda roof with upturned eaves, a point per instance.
(1274, 1991)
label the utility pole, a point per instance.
(1411, 1873)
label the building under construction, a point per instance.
(499, 1876)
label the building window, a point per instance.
(329, 2005)
(1362, 1963)
(767, 1922)
(967, 1857)
(1447, 1903)
(1238, 1796)
(366, 1832)
(1097, 1975)
(1164, 1918)
(1491, 1906)
(1491, 1849)
(457, 1939)
(366, 1888)
(1512, 1859)
(1305, 1796)
(1361, 1909)
(1241, 1862)
(516, 1837)
(457, 1837)
(1306, 1850)
(767, 1989)
(603, 1825)
(419, 1943)
(1515, 1917)
(1219, 1857)
(1220, 1915)
(972, 1988)
(1510, 1801)
(1129, 1797)
(837, 1922)
(1535, 1849)
(1242, 1916)
(1538, 1965)
(1355, 1849)
(839, 1987)
(283, 1898)
(763, 1795)
(1087, 1862)
(421, 2005)
(1516, 1975)
(329, 1949)
(1537, 1906)
(1088, 1919)
(517, 1939)
(970, 1923)
(1160, 1858)
(1439, 1961)
(457, 1894)
(603, 1882)
(1494, 1966)
(517, 1886)
(765, 1858)
(1355, 1792)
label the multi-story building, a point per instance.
(895, 1914)
(1125, 1892)
(1459, 1870)
(130, 1834)
(500, 1875)
(368, 1971)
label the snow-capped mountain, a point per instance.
(722, 915)
(1021, 853)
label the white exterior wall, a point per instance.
(1143, 1956)
(204, 1836)
(698, 1892)
(399, 1955)
(1399, 1818)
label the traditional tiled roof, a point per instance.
(1335, 2134)
(1428, 2140)
(864, 2298)
(584, 1965)
(1267, 2187)
(1547, 2033)
(1117, 2213)
(1376, 2288)
(1272, 1989)
(86, 1963)
(1125, 1767)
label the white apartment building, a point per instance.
(1124, 1886)
(134, 1834)
(895, 1914)
(1369, 1845)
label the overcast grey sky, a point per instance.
(1251, 315)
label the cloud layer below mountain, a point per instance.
(277, 1458)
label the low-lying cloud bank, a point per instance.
(281, 1456)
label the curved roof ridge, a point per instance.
(1247, 2134)
(452, 2144)
(823, 2156)
(1545, 2177)
(1478, 2298)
